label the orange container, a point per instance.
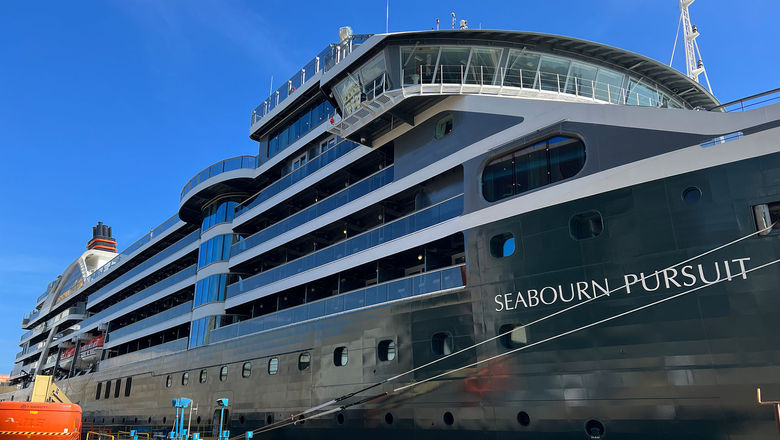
(38, 421)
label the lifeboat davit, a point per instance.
(39, 421)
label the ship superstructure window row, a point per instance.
(527, 69)
(312, 117)
(201, 328)
(532, 166)
(212, 289)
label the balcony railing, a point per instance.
(167, 252)
(306, 170)
(327, 58)
(167, 315)
(354, 192)
(506, 82)
(416, 221)
(140, 296)
(429, 282)
(130, 250)
(750, 102)
(218, 168)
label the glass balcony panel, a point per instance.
(355, 300)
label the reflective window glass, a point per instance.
(386, 350)
(567, 157)
(246, 369)
(418, 64)
(273, 365)
(552, 73)
(117, 388)
(586, 225)
(502, 245)
(515, 336)
(203, 376)
(609, 86)
(223, 372)
(531, 168)
(185, 378)
(442, 344)
(581, 80)
(340, 356)
(452, 65)
(521, 69)
(498, 179)
(483, 66)
(128, 386)
(304, 360)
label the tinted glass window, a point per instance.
(533, 166)
(441, 344)
(223, 373)
(273, 366)
(246, 369)
(108, 390)
(502, 245)
(168, 382)
(586, 225)
(203, 376)
(304, 360)
(515, 336)
(386, 350)
(185, 379)
(98, 390)
(128, 385)
(117, 388)
(443, 127)
(340, 356)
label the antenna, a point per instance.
(453, 19)
(693, 66)
(437, 24)
(387, 17)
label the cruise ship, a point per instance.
(447, 234)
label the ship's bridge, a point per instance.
(390, 77)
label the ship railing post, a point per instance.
(609, 94)
(521, 78)
(303, 76)
(593, 89)
(558, 81)
(576, 88)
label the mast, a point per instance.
(693, 66)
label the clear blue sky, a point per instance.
(108, 108)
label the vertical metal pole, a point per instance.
(317, 64)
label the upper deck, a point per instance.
(396, 66)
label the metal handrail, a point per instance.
(99, 435)
(749, 98)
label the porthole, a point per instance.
(691, 195)
(443, 127)
(304, 360)
(502, 245)
(241, 419)
(523, 419)
(389, 418)
(203, 376)
(273, 365)
(441, 344)
(185, 379)
(386, 350)
(586, 225)
(449, 419)
(246, 369)
(513, 336)
(594, 429)
(168, 382)
(223, 373)
(340, 418)
(340, 356)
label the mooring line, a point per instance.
(302, 415)
(601, 321)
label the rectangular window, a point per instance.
(767, 215)
(108, 389)
(117, 387)
(498, 179)
(531, 167)
(97, 391)
(128, 385)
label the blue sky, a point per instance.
(108, 108)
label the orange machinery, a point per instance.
(48, 415)
(39, 420)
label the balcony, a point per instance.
(236, 163)
(150, 325)
(327, 58)
(414, 222)
(297, 175)
(139, 297)
(429, 282)
(341, 198)
(111, 288)
(130, 250)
